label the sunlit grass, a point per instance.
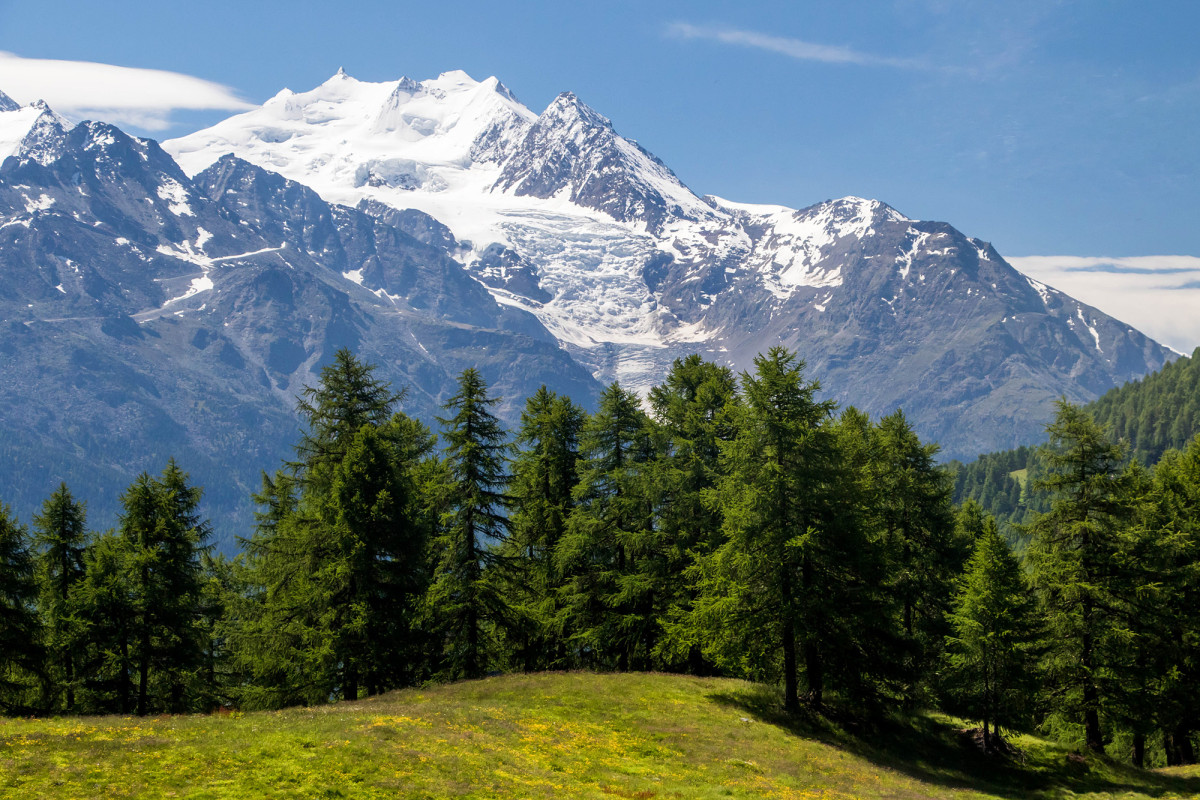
(557, 735)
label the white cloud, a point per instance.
(123, 95)
(794, 48)
(1158, 295)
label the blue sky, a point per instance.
(1047, 128)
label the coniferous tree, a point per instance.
(465, 599)
(692, 407)
(1173, 518)
(763, 594)
(338, 560)
(164, 538)
(991, 649)
(107, 614)
(21, 654)
(1074, 553)
(609, 553)
(61, 537)
(544, 475)
(918, 526)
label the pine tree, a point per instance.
(61, 538)
(107, 614)
(991, 650)
(465, 598)
(21, 653)
(1075, 557)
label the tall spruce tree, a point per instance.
(107, 614)
(918, 525)
(21, 653)
(991, 650)
(61, 537)
(465, 597)
(1172, 522)
(1075, 555)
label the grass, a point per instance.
(1022, 476)
(551, 735)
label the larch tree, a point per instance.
(761, 592)
(21, 652)
(1075, 556)
(544, 475)
(465, 599)
(609, 552)
(992, 648)
(61, 537)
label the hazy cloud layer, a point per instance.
(122, 95)
(1158, 295)
(793, 48)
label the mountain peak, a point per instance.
(7, 103)
(567, 107)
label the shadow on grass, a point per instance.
(935, 753)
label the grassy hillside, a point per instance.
(551, 735)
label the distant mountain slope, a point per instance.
(1150, 415)
(149, 315)
(560, 215)
(1156, 413)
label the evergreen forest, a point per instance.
(724, 525)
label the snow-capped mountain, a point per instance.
(560, 215)
(147, 314)
(172, 301)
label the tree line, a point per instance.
(720, 527)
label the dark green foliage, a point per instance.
(61, 537)
(1159, 412)
(465, 602)
(164, 537)
(693, 408)
(107, 616)
(609, 555)
(20, 636)
(1170, 526)
(991, 650)
(1076, 556)
(338, 564)
(918, 532)
(545, 473)
(766, 594)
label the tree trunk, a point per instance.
(1170, 751)
(1091, 695)
(143, 676)
(987, 737)
(350, 682)
(1183, 745)
(1139, 750)
(814, 670)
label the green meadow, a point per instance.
(546, 735)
